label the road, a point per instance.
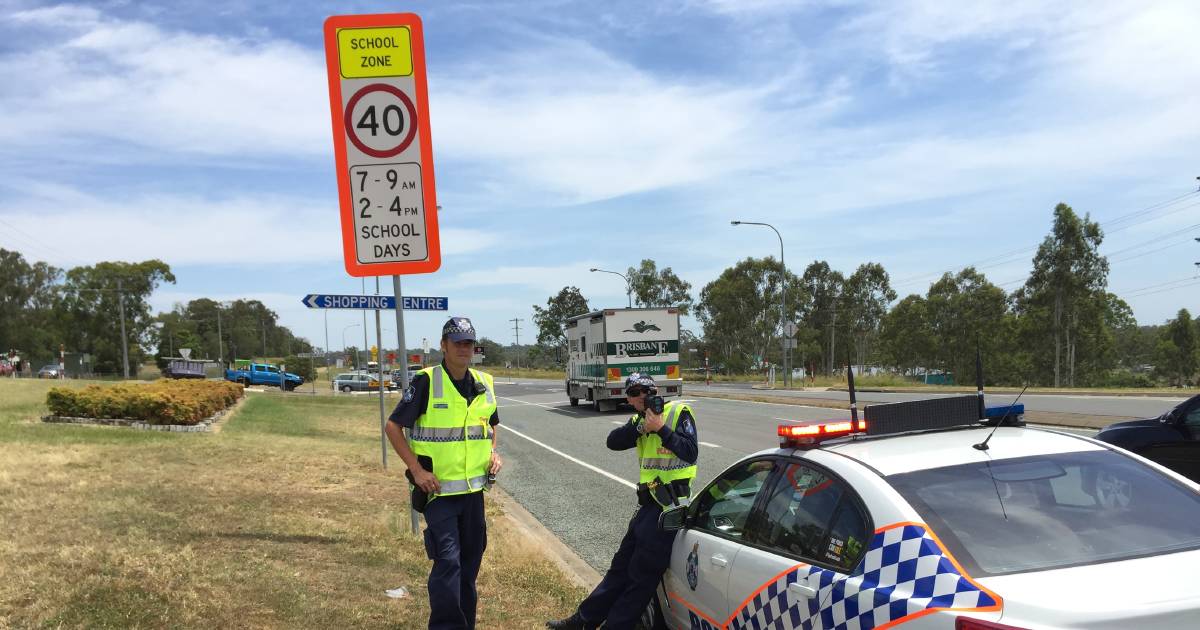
(558, 468)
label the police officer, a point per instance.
(449, 412)
(667, 448)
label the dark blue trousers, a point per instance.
(455, 537)
(637, 567)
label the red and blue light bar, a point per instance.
(810, 435)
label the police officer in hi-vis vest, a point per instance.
(449, 413)
(667, 448)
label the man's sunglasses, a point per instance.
(634, 392)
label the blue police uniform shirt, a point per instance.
(682, 441)
(416, 398)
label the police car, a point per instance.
(923, 516)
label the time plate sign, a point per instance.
(381, 140)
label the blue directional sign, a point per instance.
(372, 302)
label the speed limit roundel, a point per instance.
(381, 120)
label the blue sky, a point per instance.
(918, 134)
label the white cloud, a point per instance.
(101, 79)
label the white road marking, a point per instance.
(573, 459)
(710, 445)
(526, 402)
(617, 422)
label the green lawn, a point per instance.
(283, 518)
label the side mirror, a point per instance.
(673, 520)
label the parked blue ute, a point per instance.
(264, 374)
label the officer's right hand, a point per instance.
(425, 480)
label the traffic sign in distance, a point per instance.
(381, 144)
(373, 302)
(789, 329)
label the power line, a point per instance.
(1112, 225)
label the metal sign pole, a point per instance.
(413, 516)
(379, 367)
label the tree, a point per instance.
(966, 312)
(740, 313)
(1177, 348)
(905, 335)
(864, 300)
(654, 288)
(819, 297)
(551, 321)
(493, 353)
(93, 299)
(28, 318)
(1065, 297)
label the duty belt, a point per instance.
(664, 494)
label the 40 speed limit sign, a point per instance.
(381, 141)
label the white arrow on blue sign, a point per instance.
(372, 302)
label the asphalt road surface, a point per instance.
(558, 468)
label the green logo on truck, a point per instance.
(642, 327)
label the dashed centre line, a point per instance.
(710, 445)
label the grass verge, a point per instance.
(283, 519)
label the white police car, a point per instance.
(903, 519)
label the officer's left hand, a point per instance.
(654, 421)
(496, 464)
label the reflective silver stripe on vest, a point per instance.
(455, 434)
(670, 421)
(462, 485)
(489, 396)
(437, 381)
(663, 463)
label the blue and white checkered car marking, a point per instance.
(905, 572)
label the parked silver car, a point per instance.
(355, 382)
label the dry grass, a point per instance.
(283, 519)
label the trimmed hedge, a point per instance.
(164, 401)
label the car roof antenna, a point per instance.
(853, 400)
(983, 446)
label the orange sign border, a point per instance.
(345, 190)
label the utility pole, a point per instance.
(263, 324)
(517, 333)
(124, 339)
(220, 343)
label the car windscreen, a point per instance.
(1053, 511)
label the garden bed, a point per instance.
(182, 406)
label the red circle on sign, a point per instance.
(412, 117)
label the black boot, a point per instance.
(574, 622)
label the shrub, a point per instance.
(161, 402)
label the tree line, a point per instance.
(84, 308)
(1060, 328)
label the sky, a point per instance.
(922, 135)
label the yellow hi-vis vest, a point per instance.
(454, 434)
(657, 464)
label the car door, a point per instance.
(702, 553)
(808, 536)
(1182, 456)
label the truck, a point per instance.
(263, 374)
(605, 347)
(184, 368)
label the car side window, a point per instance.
(724, 507)
(810, 515)
(1191, 422)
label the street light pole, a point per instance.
(787, 350)
(628, 287)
